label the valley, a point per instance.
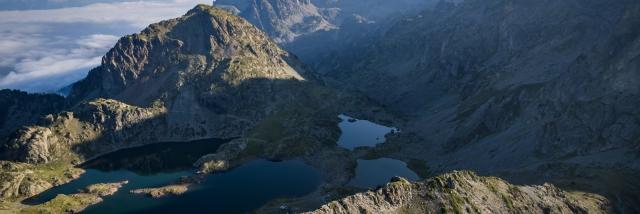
(338, 106)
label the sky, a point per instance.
(46, 45)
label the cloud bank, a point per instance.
(45, 50)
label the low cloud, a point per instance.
(45, 50)
(99, 41)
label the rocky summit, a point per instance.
(465, 192)
(536, 100)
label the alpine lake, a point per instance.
(239, 190)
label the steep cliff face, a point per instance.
(284, 20)
(465, 192)
(502, 84)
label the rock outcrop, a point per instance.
(21, 180)
(92, 128)
(465, 192)
(227, 156)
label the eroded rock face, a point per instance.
(471, 194)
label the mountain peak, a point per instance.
(206, 48)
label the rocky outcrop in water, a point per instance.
(465, 192)
(227, 156)
(158, 192)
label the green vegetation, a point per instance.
(22, 180)
(456, 202)
(64, 204)
(59, 172)
(507, 200)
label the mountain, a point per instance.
(205, 48)
(283, 20)
(376, 10)
(537, 81)
(208, 74)
(323, 33)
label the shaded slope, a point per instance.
(501, 84)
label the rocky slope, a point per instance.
(90, 129)
(538, 81)
(20, 108)
(284, 20)
(465, 192)
(21, 180)
(512, 87)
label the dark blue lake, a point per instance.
(373, 173)
(361, 133)
(240, 190)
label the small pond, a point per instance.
(371, 173)
(361, 133)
